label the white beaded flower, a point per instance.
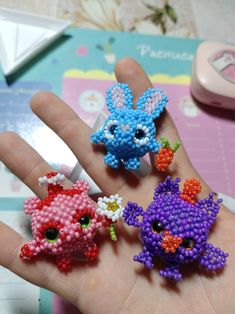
(111, 207)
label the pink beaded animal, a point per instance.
(64, 223)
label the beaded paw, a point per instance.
(65, 222)
(128, 134)
(175, 227)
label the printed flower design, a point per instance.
(171, 17)
(96, 14)
(111, 207)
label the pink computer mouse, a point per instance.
(213, 75)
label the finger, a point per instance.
(24, 161)
(76, 134)
(130, 72)
(41, 272)
(10, 244)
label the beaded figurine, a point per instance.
(65, 222)
(128, 134)
(175, 227)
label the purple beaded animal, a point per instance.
(175, 227)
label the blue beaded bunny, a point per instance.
(128, 133)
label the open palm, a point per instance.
(114, 283)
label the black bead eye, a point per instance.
(142, 135)
(139, 134)
(188, 243)
(112, 129)
(85, 221)
(52, 234)
(157, 226)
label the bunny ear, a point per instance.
(152, 101)
(118, 97)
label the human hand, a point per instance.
(115, 283)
